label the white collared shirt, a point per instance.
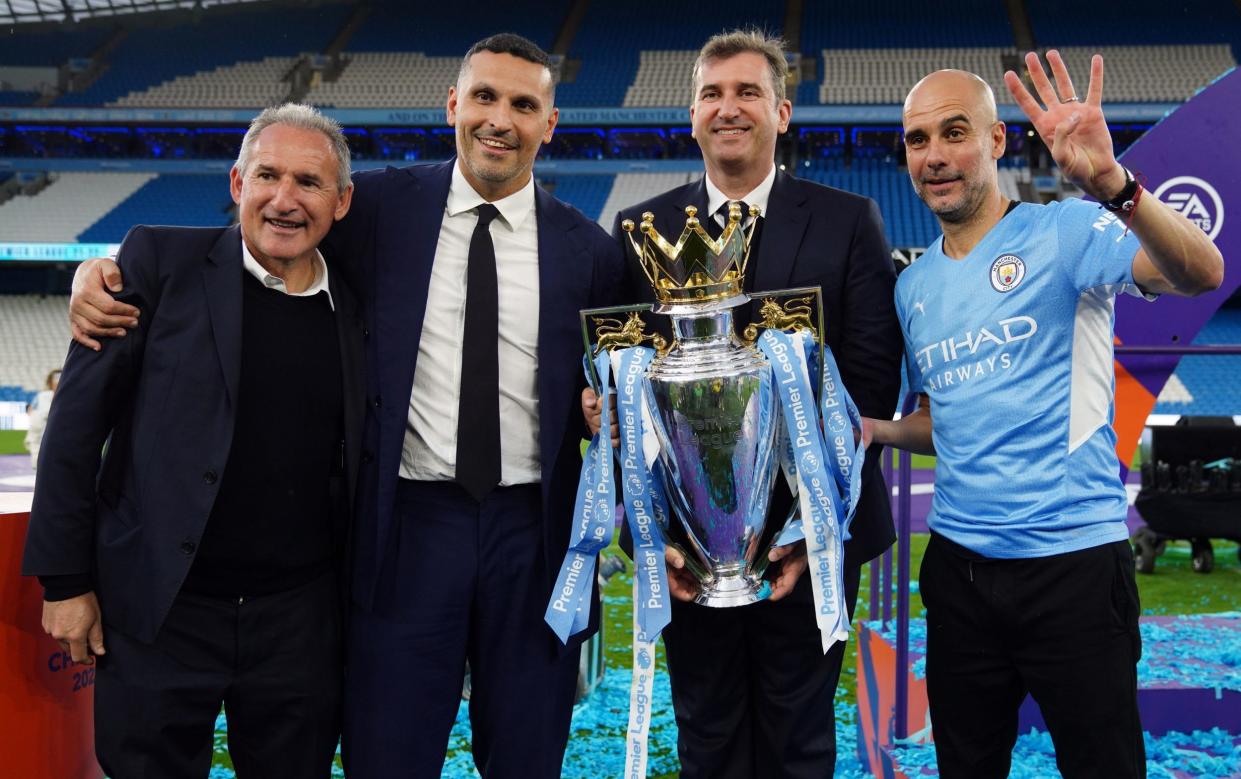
(757, 197)
(275, 282)
(430, 450)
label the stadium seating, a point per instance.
(1158, 74)
(586, 193)
(398, 79)
(240, 85)
(16, 98)
(1206, 385)
(67, 206)
(441, 29)
(613, 34)
(663, 79)
(906, 220)
(150, 56)
(856, 76)
(34, 337)
(189, 200)
(50, 48)
(1059, 23)
(631, 188)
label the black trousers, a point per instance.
(752, 689)
(1062, 628)
(274, 662)
(466, 581)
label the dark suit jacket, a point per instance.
(817, 236)
(386, 245)
(167, 395)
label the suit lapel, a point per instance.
(559, 269)
(222, 284)
(782, 234)
(349, 337)
(407, 237)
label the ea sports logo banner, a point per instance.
(1189, 161)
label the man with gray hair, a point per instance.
(205, 551)
(752, 688)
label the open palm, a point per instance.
(1073, 129)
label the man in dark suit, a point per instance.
(206, 551)
(472, 278)
(751, 686)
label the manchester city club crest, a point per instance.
(1007, 272)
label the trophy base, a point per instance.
(728, 591)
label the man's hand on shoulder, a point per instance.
(93, 313)
(77, 625)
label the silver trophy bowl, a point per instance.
(716, 419)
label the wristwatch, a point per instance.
(1124, 202)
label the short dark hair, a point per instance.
(515, 45)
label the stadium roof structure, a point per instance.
(17, 11)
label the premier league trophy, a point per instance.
(716, 412)
(706, 423)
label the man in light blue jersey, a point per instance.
(1028, 577)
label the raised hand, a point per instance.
(1073, 128)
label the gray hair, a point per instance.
(303, 117)
(729, 44)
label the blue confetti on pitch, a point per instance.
(1214, 753)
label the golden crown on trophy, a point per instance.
(698, 268)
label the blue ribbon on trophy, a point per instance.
(818, 492)
(568, 612)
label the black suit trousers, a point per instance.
(274, 662)
(753, 690)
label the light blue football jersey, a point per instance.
(1013, 344)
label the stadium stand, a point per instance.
(50, 47)
(16, 98)
(630, 188)
(188, 200)
(1059, 23)
(240, 85)
(662, 79)
(907, 24)
(860, 76)
(1153, 73)
(67, 206)
(400, 79)
(586, 193)
(437, 29)
(612, 36)
(150, 56)
(1206, 385)
(906, 220)
(34, 337)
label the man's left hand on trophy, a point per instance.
(681, 581)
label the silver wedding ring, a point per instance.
(1072, 99)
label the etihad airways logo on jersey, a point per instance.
(975, 354)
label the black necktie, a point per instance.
(478, 415)
(751, 270)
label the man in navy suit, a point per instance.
(471, 445)
(206, 551)
(751, 686)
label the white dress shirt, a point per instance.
(275, 282)
(757, 197)
(430, 450)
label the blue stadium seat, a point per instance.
(1211, 379)
(1139, 22)
(907, 221)
(436, 29)
(586, 193)
(191, 200)
(50, 47)
(151, 56)
(18, 98)
(613, 34)
(908, 24)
